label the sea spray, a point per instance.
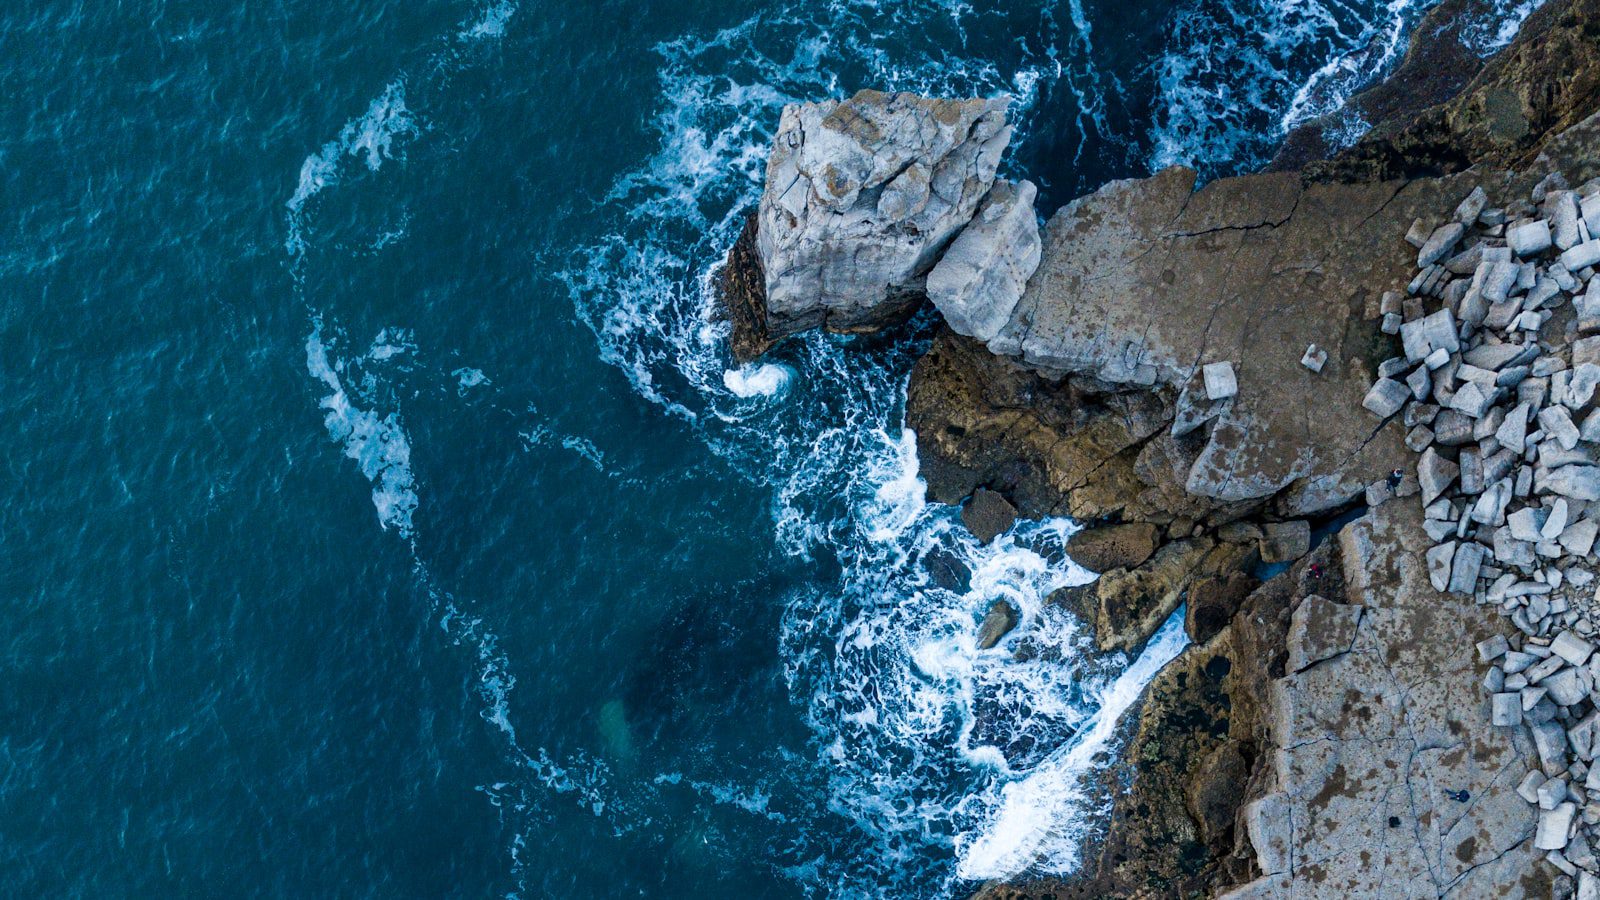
(1040, 823)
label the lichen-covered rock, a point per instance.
(862, 196)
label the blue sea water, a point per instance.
(382, 515)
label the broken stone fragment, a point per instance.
(1470, 208)
(977, 283)
(1550, 743)
(1505, 710)
(1578, 482)
(1493, 648)
(1386, 397)
(1439, 560)
(1464, 569)
(1514, 430)
(1439, 243)
(1315, 358)
(1566, 687)
(1435, 474)
(1554, 824)
(1526, 524)
(1578, 538)
(1529, 238)
(1582, 256)
(1219, 380)
(1285, 541)
(1561, 208)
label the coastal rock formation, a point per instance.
(864, 197)
(1193, 374)
(980, 278)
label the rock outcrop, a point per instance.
(1189, 373)
(864, 197)
(980, 278)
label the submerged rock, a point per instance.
(1000, 620)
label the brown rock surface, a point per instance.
(1114, 546)
(988, 515)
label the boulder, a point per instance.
(977, 283)
(1113, 546)
(1000, 620)
(987, 515)
(862, 196)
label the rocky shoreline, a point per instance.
(1191, 373)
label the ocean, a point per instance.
(383, 516)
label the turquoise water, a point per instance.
(382, 517)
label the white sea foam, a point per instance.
(1498, 26)
(467, 379)
(1040, 822)
(382, 449)
(757, 380)
(378, 444)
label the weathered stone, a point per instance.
(1561, 208)
(1468, 210)
(1505, 710)
(1582, 256)
(1553, 827)
(1285, 541)
(1219, 380)
(977, 283)
(987, 515)
(1440, 243)
(1314, 358)
(1578, 538)
(1529, 238)
(1557, 422)
(862, 196)
(1440, 559)
(1514, 430)
(1321, 629)
(997, 623)
(1464, 569)
(1578, 482)
(1435, 474)
(1386, 398)
(1113, 546)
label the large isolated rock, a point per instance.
(862, 197)
(978, 282)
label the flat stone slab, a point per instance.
(1145, 280)
(1386, 781)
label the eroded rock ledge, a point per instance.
(1326, 735)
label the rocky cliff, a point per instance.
(1185, 371)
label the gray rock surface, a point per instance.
(1388, 781)
(862, 196)
(977, 283)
